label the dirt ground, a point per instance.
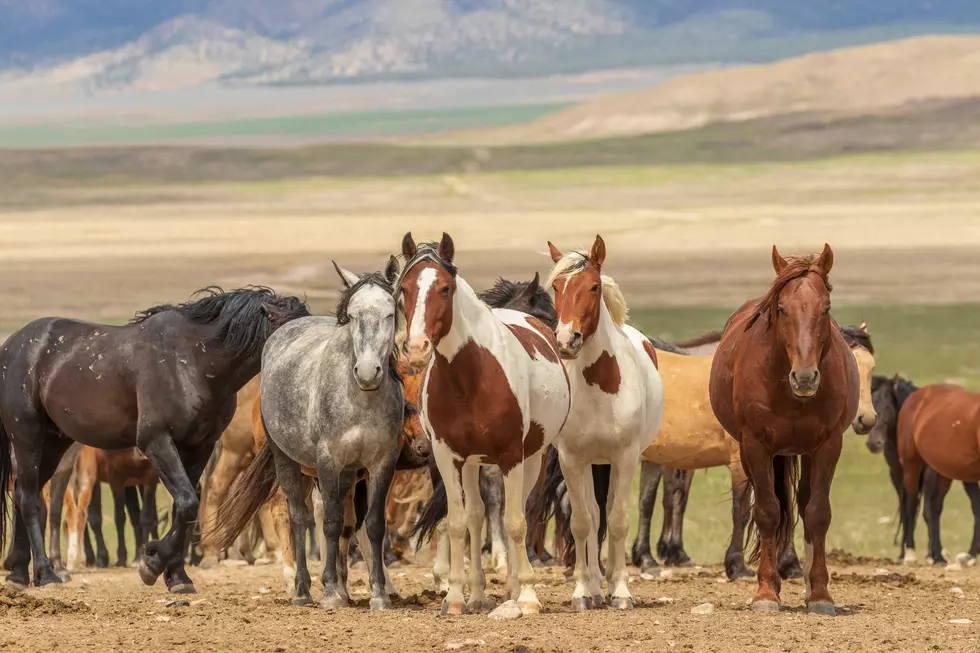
(882, 607)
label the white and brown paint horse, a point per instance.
(494, 393)
(617, 409)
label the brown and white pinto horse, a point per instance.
(494, 393)
(785, 385)
(617, 409)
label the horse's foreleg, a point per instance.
(475, 514)
(334, 487)
(642, 556)
(119, 512)
(593, 549)
(517, 486)
(280, 520)
(912, 466)
(166, 556)
(741, 497)
(818, 472)
(375, 527)
(758, 464)
(493, 500)
(895, 475)
(973, 491)
(456, 527)
(935, 488)
(577, 477)
(86, 485)
(131, 498)
(622, 473)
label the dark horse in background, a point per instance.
(165, 383)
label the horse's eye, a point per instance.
(781, 310)
(595, 288)
(403, 290)
(444, 290)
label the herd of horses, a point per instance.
(423, 409)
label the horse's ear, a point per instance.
(408, 246)
(555, 254)
(598, 255)
(864, 327)
(348, 277)
(826, 259)
(391, 270)
(447, 250)
(778, 262)
(275, 314)
(535, 285)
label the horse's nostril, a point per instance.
(377, 369)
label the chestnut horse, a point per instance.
(938, 442)
(786, 386)
(494, 393)
(617, 409)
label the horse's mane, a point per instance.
(374, 279)
(503, 292)
(576, 261)
(856, 336)
(507, 294)
(708, 338)
(796, 267)
(239, 316)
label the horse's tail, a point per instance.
(433, 512)
(6, 472)
(786, 473)
(250, 491)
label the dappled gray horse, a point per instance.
(332, 405)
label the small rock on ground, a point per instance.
(506, 610)
(704, 608)
(961, 621)
(455, 646)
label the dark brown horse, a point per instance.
(164, 383)
(938, 442)
(785, 385)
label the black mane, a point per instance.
(524, 296)
(855, 336)
(243, 318)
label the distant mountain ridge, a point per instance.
(173, 43)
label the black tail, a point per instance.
(6, 471)
(786, 473)
(434, 510)
(250, 491)
(553, 504)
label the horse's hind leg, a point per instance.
(741, 495)
(935, 487)
(492, 497)
(677, 489)
(131, 501)
(119, 515)
(517, 486)
(973, 491)
(641, 555)
(36, 464)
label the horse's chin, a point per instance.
(569, 354)
(804, 395)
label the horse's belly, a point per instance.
(951, 455)
(690, 450)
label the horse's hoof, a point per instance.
(581, 603)
(621, 602)
(453, 608)
(822, 607)
(48, 577)
(765, 606)
(791, 571)
(598, 600)
(182, 588)
(15, 585)
(741, 573)
(379, 603)
(146, 575)
(529, 607)
(301, 601)
(335, 602)
(63, 575)
(482, 606)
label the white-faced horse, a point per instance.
(617, 409)
(494, 393)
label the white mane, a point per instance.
(573, 263)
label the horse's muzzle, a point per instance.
(864, 423)
(804, 381)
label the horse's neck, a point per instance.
(472, 321)
(608, 337)
(237, 372)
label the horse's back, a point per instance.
(942, 422)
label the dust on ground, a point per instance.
(246, 609)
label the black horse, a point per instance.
(165, 383)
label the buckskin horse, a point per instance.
(164, 383)
(785, 385)
(617, 410)
(494, 393)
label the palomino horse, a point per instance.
(938, 442)
(785, 385)
(331, 401)
(165, 383)
(494, 393)
(617, 409)
(691, 438)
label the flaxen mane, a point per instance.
(796, 267)
(576, 261)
